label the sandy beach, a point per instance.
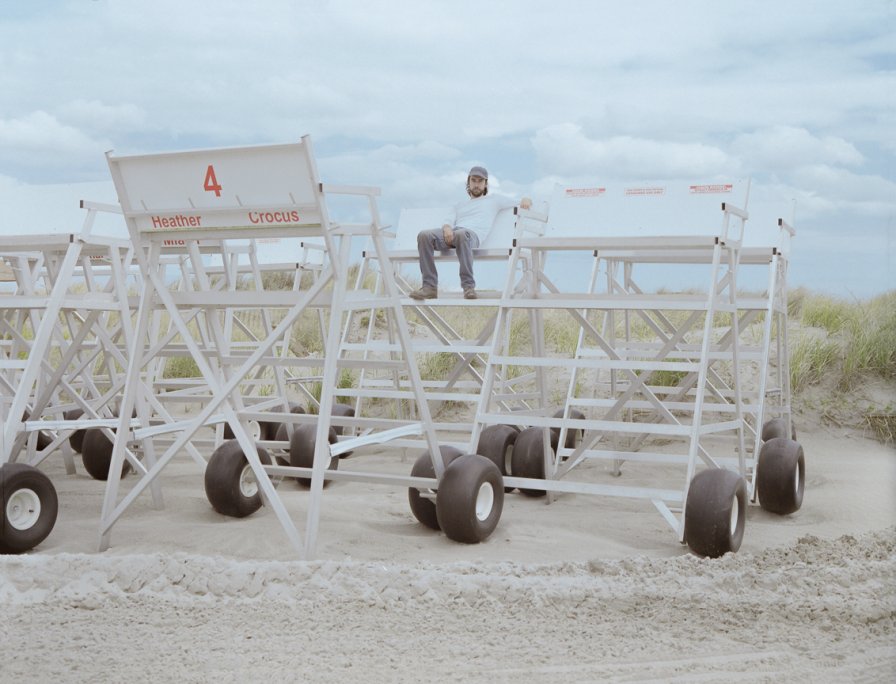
(584, 589)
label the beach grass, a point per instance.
(838, 344)
(853, 340)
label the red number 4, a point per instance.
(211, 183)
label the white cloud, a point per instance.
(39, 140)
(780, 148)
(426, 151)
(870, 195)
(425, 174)
(40, 130)
(565, 150)
(42, 149)
(391, 163)
(101, 117)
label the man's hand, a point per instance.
(525, 203)
(448, 235)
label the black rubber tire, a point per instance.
(777, 427)
(116, 407)
(301, 451)
(282, 455)
(342, 410)
(96, 455)
(470, 499)
(230, 484)
(44, 439)
(528, 458)
(496, 444)
(277, 431)
(781, 476)
(76, 439)
(269, 429)
(423, 508)
(262, 430)
(715, 512)
(572, 436)
(282, 435)
(28, 507)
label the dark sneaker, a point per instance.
(470, 293)
(425, 292)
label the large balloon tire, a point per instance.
(423, 507)
(715, 512)
(573, 436)
(28, 507)
(44, 439)
(281, 456)
(230, 483)
(528, 458)
(470, 499)
(342, 411)
(279, 432)
(781, 476)
(257, 430)
(271, 430)
(777, 427)
(301, 451)
(76, 439)
(96, 455)
(496, 444)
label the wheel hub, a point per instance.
(485, 501)
(735, 514)
(23, 509)
(248, 483)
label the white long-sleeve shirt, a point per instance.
(478, 213)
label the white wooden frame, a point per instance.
(72, 289)
(614, 229)
(207, 198)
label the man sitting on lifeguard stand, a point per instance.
(464, 229)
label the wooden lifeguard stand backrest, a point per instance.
(268, 190)
(645, 209)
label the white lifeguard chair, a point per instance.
(211, 200)
(64, 340)
(655, 377)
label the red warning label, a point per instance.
(585, 192)
(645, 191)
(709, 189)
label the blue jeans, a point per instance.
(428, 241)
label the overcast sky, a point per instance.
(798, 95)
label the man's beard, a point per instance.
(476, 192)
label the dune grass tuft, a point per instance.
(852, 340)
(837, 345)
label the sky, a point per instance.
(798, 96)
